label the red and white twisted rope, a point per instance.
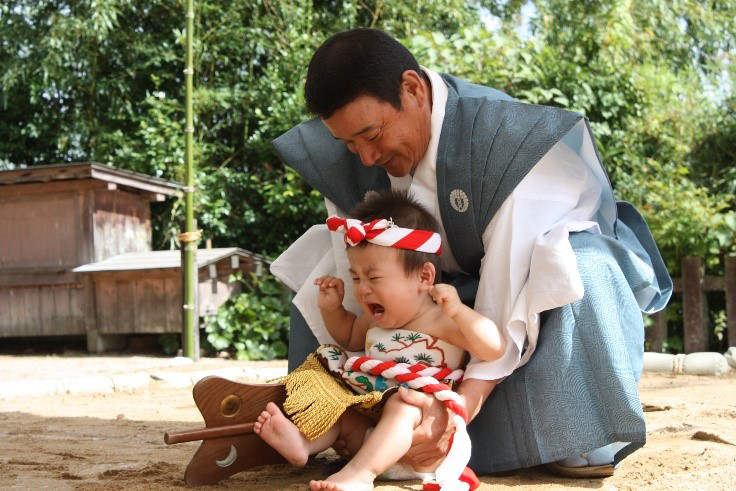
(383, 232)
(427, 379)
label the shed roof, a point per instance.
(89, 170)
(130, 261)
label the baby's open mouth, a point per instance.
(376, 309)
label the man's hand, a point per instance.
(331, 293)
(431, 438)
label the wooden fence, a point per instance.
(693, 283)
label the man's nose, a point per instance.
(369, 153)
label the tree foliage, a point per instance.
(102, 80)
(253, 325)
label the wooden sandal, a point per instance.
(229, 445)
(585, 472)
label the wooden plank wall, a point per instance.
(213, 292)
(146, 301)
(48, 310)
(46, 230)
(150, 301)
(42, 237)
(122, 223)
(41, 232)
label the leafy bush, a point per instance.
(255, 324)
(654, 77)
(686, 219)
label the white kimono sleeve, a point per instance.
(529, 265)
(316, 253)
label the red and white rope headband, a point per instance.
(384, 233)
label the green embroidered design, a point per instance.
(424, 357)
(413, 337)
(365, 381)
(335, 353)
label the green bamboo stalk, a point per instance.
(189, 243)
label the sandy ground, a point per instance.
(115, 441)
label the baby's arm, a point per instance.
(480, 334)
(345, 327)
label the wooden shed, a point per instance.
(141, 292)
(55, 218)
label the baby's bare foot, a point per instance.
(276, 430)
(345, 480)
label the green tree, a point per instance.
(655, 78)
(106, 85)
(102, 80)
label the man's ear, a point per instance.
(412, 85)
(426, 276)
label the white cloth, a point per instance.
(529, 265)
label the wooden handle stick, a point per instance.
(207, 433)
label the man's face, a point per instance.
(395, 140)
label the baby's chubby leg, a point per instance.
(284, 436)
(388, 442)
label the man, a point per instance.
(532, 238)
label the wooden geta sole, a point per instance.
(229, 446)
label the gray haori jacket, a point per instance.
(488, 144)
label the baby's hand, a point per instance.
(331, 292)
(446, 297)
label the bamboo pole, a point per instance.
(188, 240)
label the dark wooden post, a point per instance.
(730, 290)
(693, 305)
(657, 332)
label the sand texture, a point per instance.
(115, 441)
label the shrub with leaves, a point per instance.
(654, 77)
(255, 324)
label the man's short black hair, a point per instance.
(355, 63)
(405, 212)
